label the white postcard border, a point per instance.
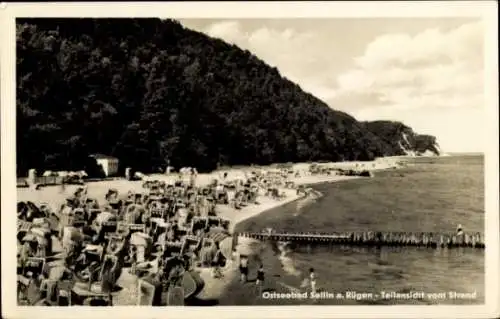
(487, 10)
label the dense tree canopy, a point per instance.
(152, 92)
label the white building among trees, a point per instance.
(109, 164)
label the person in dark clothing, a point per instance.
(218, 262)
(260, 278)
(260, 274)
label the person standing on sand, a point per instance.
(63, 185)
(260, 278)
(243, 268)
(216, 264)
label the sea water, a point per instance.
(429, 195)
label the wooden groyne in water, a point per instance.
(401, 239)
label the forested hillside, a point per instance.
(150, 91)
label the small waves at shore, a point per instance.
(287, 262)
(284, 249)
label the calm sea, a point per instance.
(431, 194)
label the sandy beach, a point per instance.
(214, 288)
(54, 196)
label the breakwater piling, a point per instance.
(395, 239)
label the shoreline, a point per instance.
(214, 288)
(266, 204)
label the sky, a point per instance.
(424, 72)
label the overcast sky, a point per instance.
(427, 73)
